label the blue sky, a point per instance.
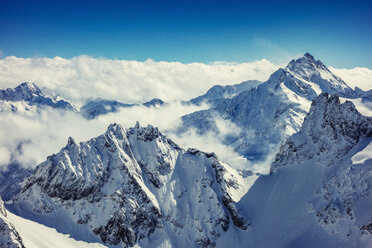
(337, 32)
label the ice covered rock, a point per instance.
(9, 237)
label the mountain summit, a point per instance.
(125, 185)
(312, 71)
(269, 113)
(31, 95)
(319, 191)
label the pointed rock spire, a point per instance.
(137, 125)
(308, 56)
(71, 141)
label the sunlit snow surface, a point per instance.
(35, 235)
(362, 156)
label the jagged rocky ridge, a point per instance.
(330, 128)
(9, 237)
(319, 190)
(126, 185)
(269, 113)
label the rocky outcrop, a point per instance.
(330, 128)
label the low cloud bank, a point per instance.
(83, 77)
(357, 77)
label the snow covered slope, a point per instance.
(319, 191)
(9, 237)
(35, 235)
(228, 91)
(271, 112)
(135, 185)
(29, 95)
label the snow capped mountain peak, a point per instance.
(329, 127)
(154, 103)
(27, 88)
(305, 60)
(320, 183)
(148, 133)
(310, 70)
(71, 141)
(308, 56)
(116, 129)
(24, 91)
(30, 94)
(273, 110)
(125, 185)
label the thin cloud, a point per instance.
(359, 76)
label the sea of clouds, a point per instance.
(28, 138)
(81, 78)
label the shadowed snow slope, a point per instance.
(9, 237)
(35, 235)
(319, 191)
(129, 186)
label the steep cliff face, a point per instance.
(125, 185)
(9, 237)
(330, 128)
(319, 190)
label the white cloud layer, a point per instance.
(359, 76)
(84, 77)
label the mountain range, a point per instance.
(136, 187)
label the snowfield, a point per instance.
(35, 235)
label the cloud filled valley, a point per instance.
(84, 78)
(127, 176)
